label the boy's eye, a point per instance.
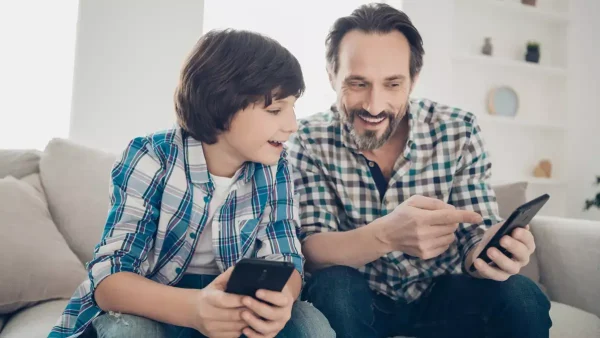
(274, 111)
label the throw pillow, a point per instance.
(36, 264)
(76, 181)
(19, 163)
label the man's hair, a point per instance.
(227, 71)
(375, 18)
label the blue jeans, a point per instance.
(455, 306)
(306, 321)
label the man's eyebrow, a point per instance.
(395, 77)
(356, 77)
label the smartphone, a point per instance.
(518, 219)
(251, 274)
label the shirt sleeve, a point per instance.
(136, 191)
(317, 202)
(279, 237)
(471, 190)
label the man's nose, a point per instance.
(375, 103)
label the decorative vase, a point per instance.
(533, 54)
(529, 2)
(487, 47)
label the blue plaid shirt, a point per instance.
(160, 193)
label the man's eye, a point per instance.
(358, 84)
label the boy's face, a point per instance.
(257, 133)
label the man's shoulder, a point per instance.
(318, 134)
(435, 113)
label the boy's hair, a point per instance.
(227, 71)
(376, 18)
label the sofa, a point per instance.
(53, 205)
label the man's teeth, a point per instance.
(276, 142)
(372, 119)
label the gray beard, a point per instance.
(369, 140)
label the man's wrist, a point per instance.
(378, 234)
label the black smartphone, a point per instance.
(251, 274)
(518, 219)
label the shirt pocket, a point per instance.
(247, 230)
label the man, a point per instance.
(395, 201)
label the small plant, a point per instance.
(533, 45)
(595, 201)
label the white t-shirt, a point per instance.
(203, 261)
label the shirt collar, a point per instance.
(196, 162)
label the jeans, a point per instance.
(306, 321)
(455, 306)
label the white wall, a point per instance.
(583, 142)
(127, 61)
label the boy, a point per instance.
(190, 202)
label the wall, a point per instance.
(584, 107)
(127, 60)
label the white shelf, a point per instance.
(515, 65)
(513, 7)
(520, 122)
(530, 181)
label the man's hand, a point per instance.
(520, 244)
(267, 320)
(423, 227)
(219, 314)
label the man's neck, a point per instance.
(386, 155)
(220, 159)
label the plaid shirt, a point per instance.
(161, 190)
(444, 158)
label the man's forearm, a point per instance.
(353, 248)
(130, 293)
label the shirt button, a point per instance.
(192, 234)
(178, 270)
(206, 199)
(371, 164)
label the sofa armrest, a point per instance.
(568, 251)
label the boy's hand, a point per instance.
(218, 314)
(266, 320)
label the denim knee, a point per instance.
(306, 322)
(115, 325)
(524, 301)
(335, 283)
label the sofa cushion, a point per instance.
(18, 163)
(568, 321)
(36, 264)
(509, 197)
(34, 322)
(76, 182)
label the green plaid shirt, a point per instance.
(444, 158)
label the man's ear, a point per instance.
(413, 83)
(331, 77)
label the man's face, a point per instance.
(373, 85)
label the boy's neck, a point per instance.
(221, 159)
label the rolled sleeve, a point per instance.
(279, 236)
(471, 190)
(317, 203)
(136, 191)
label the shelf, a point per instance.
(515, 65)
(512, 7)
(520, 122)
(530, 181)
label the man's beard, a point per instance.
(369, 140)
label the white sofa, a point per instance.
(51, 217)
